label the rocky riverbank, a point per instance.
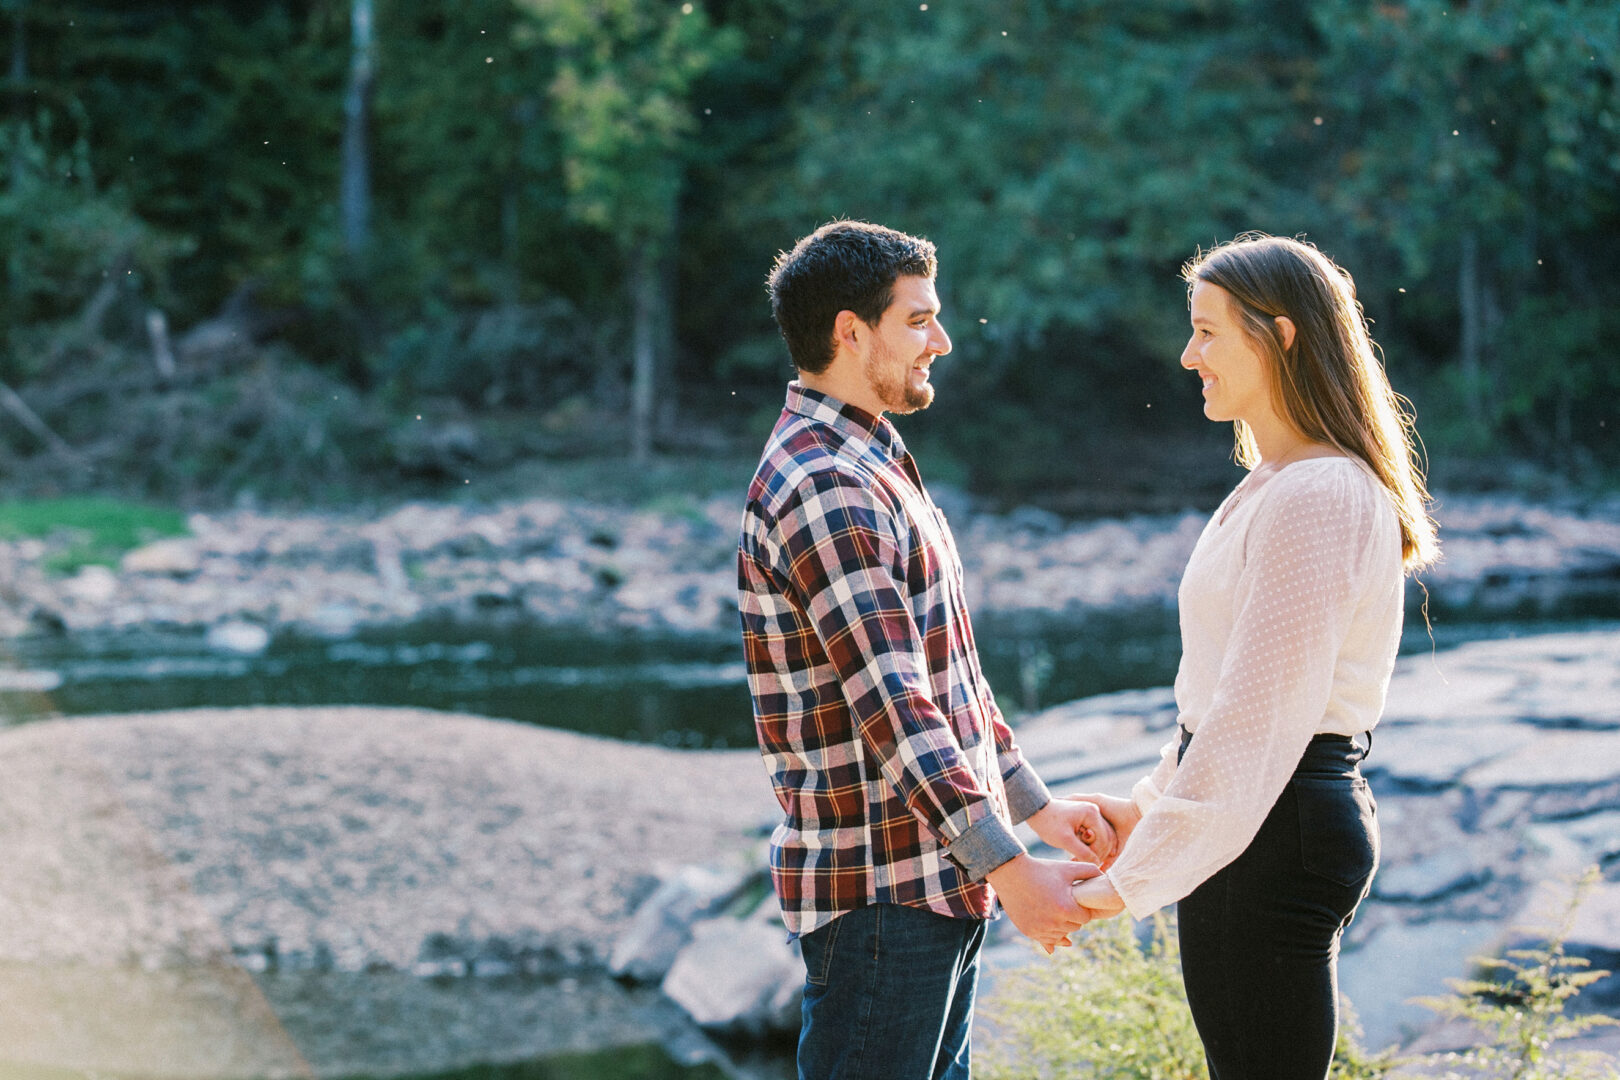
(212, 859)
(672, 569)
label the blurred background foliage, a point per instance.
(317, 249)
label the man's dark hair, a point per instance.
(844, 265)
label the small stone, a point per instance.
(244, 638)
(175, 557)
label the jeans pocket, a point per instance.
(817, 948)
(1338, 828)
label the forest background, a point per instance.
(319, 251)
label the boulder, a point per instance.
(738, 977)
(662, 925)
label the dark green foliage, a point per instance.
(559, 186)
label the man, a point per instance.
(899, 777)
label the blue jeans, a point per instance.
(888, 995)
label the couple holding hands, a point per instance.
(900, 780)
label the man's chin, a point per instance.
(914, 400)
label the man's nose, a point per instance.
(941, 342)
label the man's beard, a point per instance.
(892, 383)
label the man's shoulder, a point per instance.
(805, 455)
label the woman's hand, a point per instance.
(1121, 815)
(1098, 897)
(1078, 828)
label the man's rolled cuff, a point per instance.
(989, 843)
(1026, 793)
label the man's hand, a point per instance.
(1121, 815)
(1037, 896)
(1080, 828)
(1099, 897)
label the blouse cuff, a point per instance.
(1136, 905)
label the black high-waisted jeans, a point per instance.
(1260, 939)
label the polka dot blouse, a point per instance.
(1290, 614)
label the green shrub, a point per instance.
(1114, 1009)
(1106, 1008)
(1521, 1010)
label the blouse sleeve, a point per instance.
(1146, 791)
(1304, 556)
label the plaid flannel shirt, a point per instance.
(897, 773)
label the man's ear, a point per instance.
(1285, 327)
(847, 327)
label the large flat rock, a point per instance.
(349, 838)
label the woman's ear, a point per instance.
(1285, 327)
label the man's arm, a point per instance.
(841, 555)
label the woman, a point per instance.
(1257, 819)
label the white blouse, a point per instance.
(1290, 613)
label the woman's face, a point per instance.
(1237, 385)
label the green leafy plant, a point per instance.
(1107, 1008)
(1520, 1007)
(1114, 1008)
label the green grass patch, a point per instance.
(96, 530)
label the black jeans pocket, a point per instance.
(1338, 828)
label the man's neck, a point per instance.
(846, 383)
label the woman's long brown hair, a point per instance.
(1328, 383)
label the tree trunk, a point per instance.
(644, 305)
(28, 418)
(355, 199)
(1470, 347)
(666, 413)
(19, 82)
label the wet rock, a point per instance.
(1436, 755)
(1439, 875)
(1556, 759)
(1403, 961)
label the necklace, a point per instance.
(1260, 475)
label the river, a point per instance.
(685, 691)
